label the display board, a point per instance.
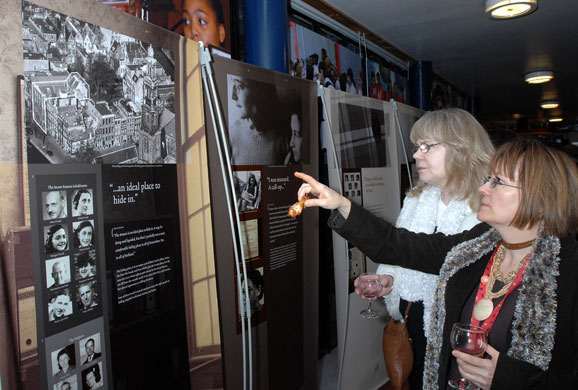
(406, 118)
(364, 136)
(111, 104)
(271, 122)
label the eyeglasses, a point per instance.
(494, 181)
(424, 148)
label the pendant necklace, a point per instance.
(484, 306)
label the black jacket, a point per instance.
(548, 312)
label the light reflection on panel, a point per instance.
(214, 311)
(203, 323)
(197, 249)
(210, 256)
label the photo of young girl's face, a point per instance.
(203, 22)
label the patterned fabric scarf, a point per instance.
(534, 321)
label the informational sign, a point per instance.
(70, 275)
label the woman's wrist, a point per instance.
(345, 207)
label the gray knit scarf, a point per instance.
(534, 321)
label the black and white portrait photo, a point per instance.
(56, 238)
(54, 205)
(63, 362)
(265, 123)
(86, 295)
(92, 377)
(60, 305)
(256, 288)
(82, 203)
(363, 137)
(57, 272)
(94, 95)
(70, 383)
(85, 265)
(90, 349)
(248, 190)
(83, 234)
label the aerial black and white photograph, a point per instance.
(93, 95)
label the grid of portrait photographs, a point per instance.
(69, 252)
(352, 185)
(78, 365)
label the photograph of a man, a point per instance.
(92, 377)
(59, 305)
(82, 203)
(57, 272)
(69, 383)
(86, 296)
(89, 348)
(54, 205)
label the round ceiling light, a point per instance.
(549, 104)
(555, 119)
(508, 9)
(539, 77)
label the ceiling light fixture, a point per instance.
(549, 104)
(508, 9)
(555, 118)
(539, 77)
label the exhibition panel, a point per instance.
(111, 109)
(361, 135)
(271, 128)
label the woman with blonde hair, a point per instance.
(452, 153)
(514, 275)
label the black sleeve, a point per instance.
(384, 243)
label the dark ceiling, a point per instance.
(484, 58)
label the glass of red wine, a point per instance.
(470, 339)
(370, 288)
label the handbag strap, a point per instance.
(406, 312)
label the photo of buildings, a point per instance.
(93, 95)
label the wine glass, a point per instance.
(370, 288)
(470, 339)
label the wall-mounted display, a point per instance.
(271, 122)
(103, 134)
